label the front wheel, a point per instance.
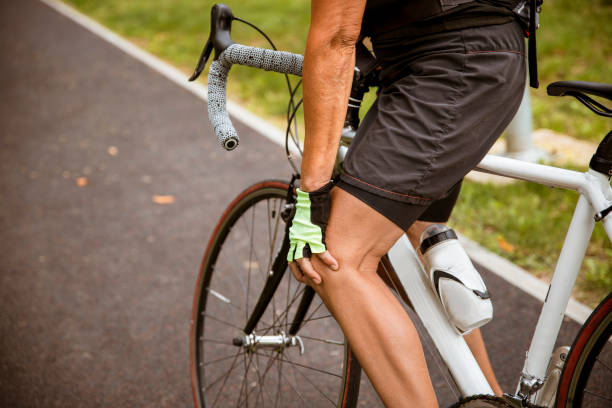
(228, 372)
(587, 374)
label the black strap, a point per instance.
(364, 60)
(532, 53)
(441, 274)
(439, 237)
(602, 214)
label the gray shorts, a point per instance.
(454, 95)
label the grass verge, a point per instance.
(526, 223)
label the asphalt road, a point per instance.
(96, 280)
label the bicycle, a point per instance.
(269, 333)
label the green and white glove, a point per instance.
(307, 231)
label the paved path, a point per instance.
(96, 281)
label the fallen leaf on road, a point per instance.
(250, 264)
(163, 199)
(112, 150)
(504, 245)
(82, 181)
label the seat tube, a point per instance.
(557, 298)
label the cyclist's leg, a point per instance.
(376, 325)
(437, 212)
(474, 339)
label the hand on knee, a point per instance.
(304, 272)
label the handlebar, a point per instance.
(277, 61)
(228, 53)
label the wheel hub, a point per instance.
(252, 342)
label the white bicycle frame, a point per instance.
(595, 196)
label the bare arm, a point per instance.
(327, 75)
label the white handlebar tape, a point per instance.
(269, 60)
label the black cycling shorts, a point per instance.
(453, 95)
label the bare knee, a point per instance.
(357, 236)
(354, 263)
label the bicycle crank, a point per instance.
(252, 342)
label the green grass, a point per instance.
(573, 44)
(525, 223)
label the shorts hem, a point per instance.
(401, 214)
(401, 197)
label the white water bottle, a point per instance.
(458, 284)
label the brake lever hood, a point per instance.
(219, 38)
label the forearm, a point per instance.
(327, 76)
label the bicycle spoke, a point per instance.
(318, 318)
(294, 389)
(244, 384)
(311, 368)
(286, 317)
(606, 366)
(336, 342)
(223, 299)
(263, 378)
(315, 387)
(270, 242)
(309, 318)
(595, 394)
(268, 328)
(224, 382)
(257, 370)
(221, 321)
(233, 268)
(224, 374)
(259, 394)
(249, 274)
(252, 251)
(225, 343)
(276, 224)
(278, 388)
(270, 245)
(280, 325)
(204, 363)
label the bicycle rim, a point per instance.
(232, 275)
(585, 381)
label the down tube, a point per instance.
(559, 292)
(451, 345)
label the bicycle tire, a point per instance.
(588, 367)
(218, 318)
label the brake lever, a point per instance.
(219, 39)
(203, 60)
